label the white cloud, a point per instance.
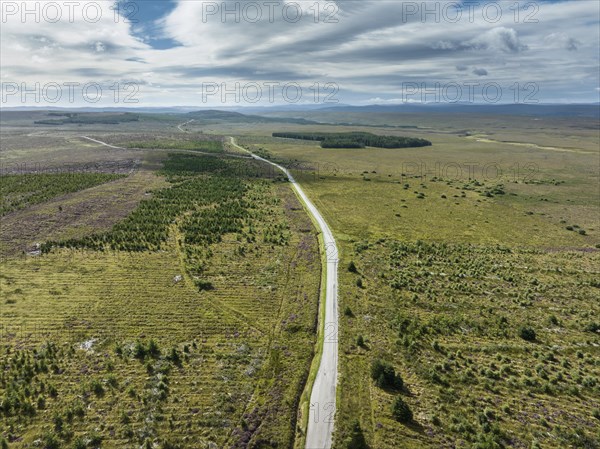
(503, 39)
(369, 52)
(562, 40)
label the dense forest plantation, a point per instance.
(357, 140)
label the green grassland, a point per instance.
(458, 248)
(579, 133)
(449, 319)
(361, 191)
(182, 343)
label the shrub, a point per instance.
(204, 286)
(97, 388)
(139, 351)
(58, 423)
(385, 376)
(166, 444)
(357, 438)
(487, 440)
(348, 312)
(489, 413)
(95, 439)
(50, 441)
(112, 381)
(153, 349)
(124, 418)
(359, 283)
(360, 341)
(79, 443)
(527, 333)
(79, 411)
(592, 327)
(352, 267)
(401, 411)
(175, 357)
(52, 391)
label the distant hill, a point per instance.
(59, 117)
(217, 116)
(536, 110)
(267, 114)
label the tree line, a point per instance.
(356, 140)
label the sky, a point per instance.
(282, 52)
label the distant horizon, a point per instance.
(287, 106)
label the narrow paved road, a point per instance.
(103, 143)
(183, 124)
(323, 396)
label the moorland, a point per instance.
(163, 290)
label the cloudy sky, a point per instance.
(249, 53)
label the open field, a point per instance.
(362, 191)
